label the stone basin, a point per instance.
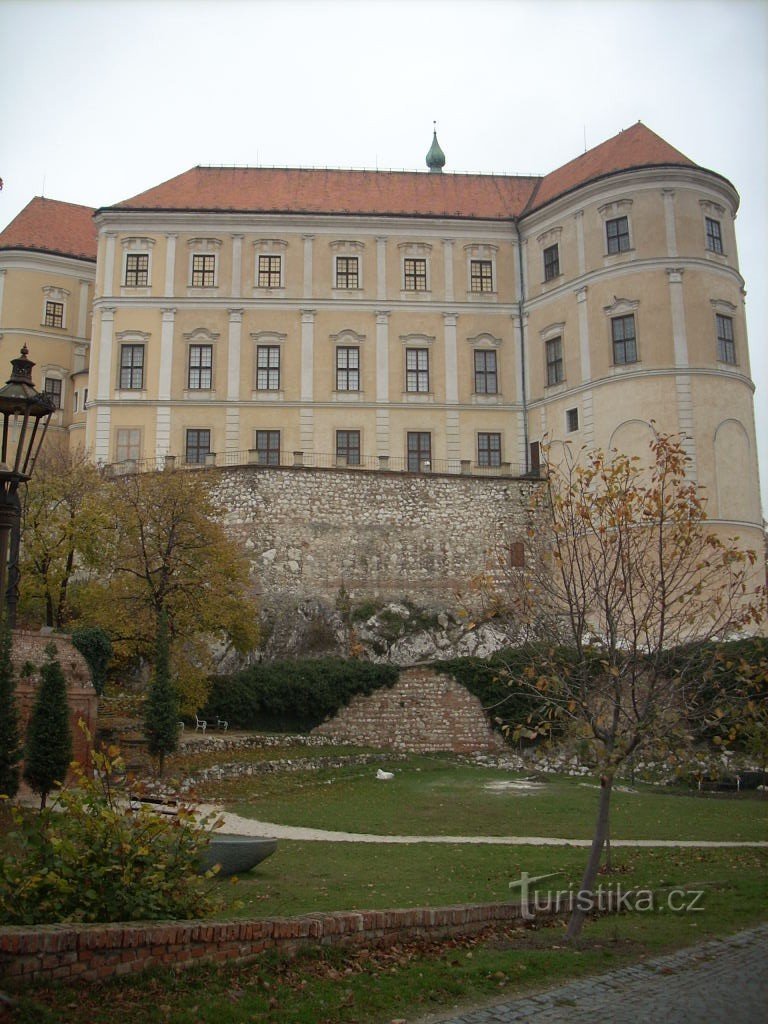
(235, 854)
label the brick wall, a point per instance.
(424, 711)
(94, 952)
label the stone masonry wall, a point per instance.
(424, 711)
(379, 534)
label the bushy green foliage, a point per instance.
(293, 695)
(48, 748)
(10, 743)
(161, 711)
(89, 858)
(94, 644)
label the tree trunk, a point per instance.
(579, 912)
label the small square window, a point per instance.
(417, 369)
(268, 368)
(200, 375)
(624, 340)
(617, 234)
(54, 314)
(489, 449)
(128, 444)
(136, 270)
(131, 367)
(347, 368)
(726, 348)
(481, 276)
(268, 447)
(347, 272)
(419, 451)
(203, 271)
(270, 271)
(486, 375)
(551, 262)
(348, 446)
(714, 236)
(52, 389)
(198, 446)
(415, 275)
(555, 365)
(571, 420)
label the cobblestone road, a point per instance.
(718, 981)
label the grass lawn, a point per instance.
(436, 796)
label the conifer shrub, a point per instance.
(94, 644)
(161, 710)
(48, 749)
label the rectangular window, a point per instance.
(52, 390)
(415, 275)
(417, 369)
(555, 368)
(131, 367)
(489, 449)
(347, 369)
(128, 444)
(270, 271)
(624, 339)
(517, 555)
(726, 349)
(551, 262)
(486, 377)
(714, 236)
(347, 272)
(571, 420)
(268, 368)
(268, 447)
(136, 270)
(198, 446)
(75, 401)
(348, 446)
(203, 271)
(481, 276)
(54, 314)
(419, 451)
(200, 375)
(617, 234)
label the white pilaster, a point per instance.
(382, 356)
(448, 261)
(308, 240)
(170, 262)
(237, 266)
(451, 360)
(682, 380)
(581, 299)
(109, 264)
(163, 412)
(669, 220)
(82, 309)
(381, 268)
(234, 358)
(582, 262)
(675, 275)
(104, 386)
(307, 354)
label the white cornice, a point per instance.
(48, 263)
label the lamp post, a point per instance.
(25, 416)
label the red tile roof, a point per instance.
(400, 193)
(634, 147)
(46, 225)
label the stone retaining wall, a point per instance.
(424, 712)
(94, 952)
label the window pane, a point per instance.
(268, 447)
(203, 271)
(417, 369)
(489, 449)
(54, 314)
(198, 445)
(419, 450)
(726, 349)
(551, 262)
(52, 388)
(624, 342)
(415, 275)
(555, 367)
(347, 272)
(136, 270)
(128, 444)
(270, 271)
(617, 234)
(714, 237)
(348, 446)
(132, 367)
(268, 368)
(481, 276)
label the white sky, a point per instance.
(99, 101)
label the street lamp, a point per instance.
(25, 417)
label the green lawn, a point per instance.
(435, 796)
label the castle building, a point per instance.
(418, 321)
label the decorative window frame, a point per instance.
(51, 293)
(267, 339)
(550, 333)
(204, 247)
(713, 211)
(54, 371)
(546, 240)
(200, 336)
(269, 247)
(420, 341)
(347, 339)
(485, 340)
(612, 211)
(723, 308)
(623, 307)
(136, 245)
(415, 251)
(346, 248)
(131, 338)
(481, 251)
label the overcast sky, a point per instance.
(99, 101)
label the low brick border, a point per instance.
(95, 952)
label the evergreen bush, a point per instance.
(94, 644)
(10, 741)
(48, 750)
(161, 710)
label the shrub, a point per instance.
(293, 695)
(10, 743)
(87, 858)
(49, 738)
(95, 646)
(161, 711)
